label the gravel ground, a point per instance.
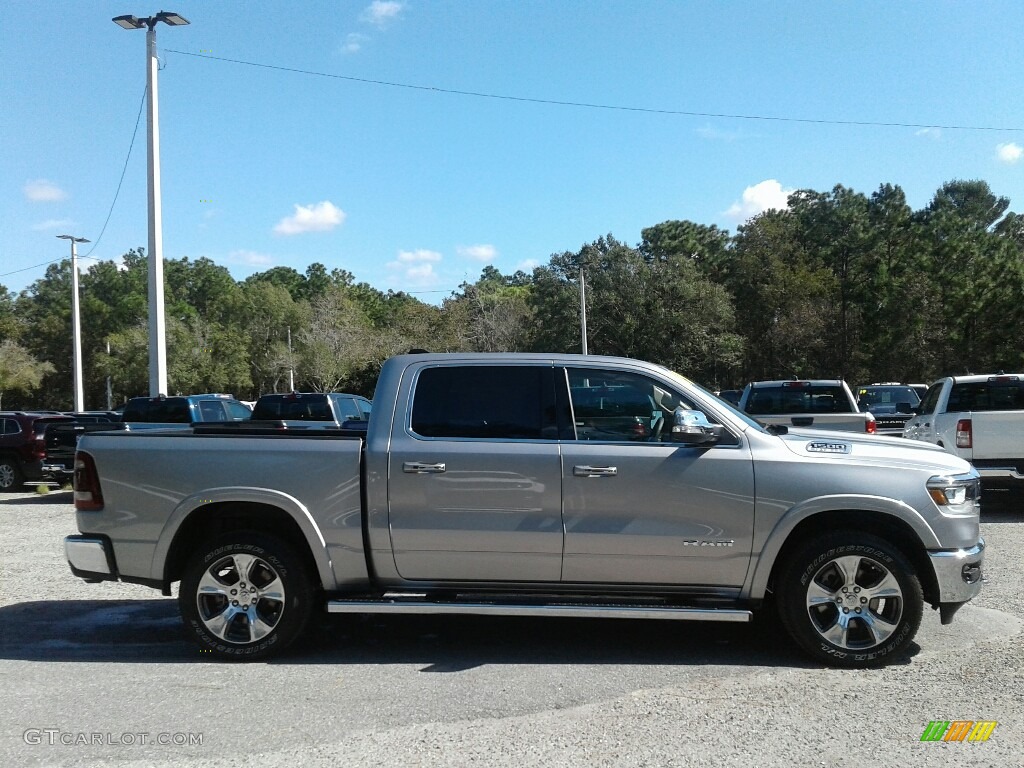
(110, 659)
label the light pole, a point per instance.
(157, 326)
(76, 325)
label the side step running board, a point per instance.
(549, 609)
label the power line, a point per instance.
(588, 105)
(138, 119)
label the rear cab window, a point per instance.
(998, 393)
(798, 397)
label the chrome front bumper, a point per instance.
(958, 572)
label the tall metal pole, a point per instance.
(291, 367)
(157, 323)
(77, 389)
(583, 310)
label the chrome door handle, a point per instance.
(419, 468)
(586, 471)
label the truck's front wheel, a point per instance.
(245, 596)
(850, 599)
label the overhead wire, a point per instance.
(117, 192)
(590, 105)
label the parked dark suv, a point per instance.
(21, 446)
(184, 409)
(336, 408)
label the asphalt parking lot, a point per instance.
(102, 675)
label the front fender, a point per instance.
(244, 495)
(757, 584)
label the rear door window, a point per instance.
(485, 401)
(212, 410)
(346, 408)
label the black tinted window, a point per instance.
(294, 408)
(501, 402)
(798, 398)
(169, 411)
(987, 396)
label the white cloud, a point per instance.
(482, 252)
(761, 197)
(43, 191)
(713, 134)
(1009, 153)
(353, 42)
(380, 12)
(321, 217)
(931, 133)
(528, 266)
(250, 258)
(53, 224)
(417, 267)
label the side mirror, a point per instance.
(904, 408)
(693, 428)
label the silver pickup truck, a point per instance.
(534, 485)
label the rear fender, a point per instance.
(242, 495)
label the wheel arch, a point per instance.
(793, 532)
(197, 520)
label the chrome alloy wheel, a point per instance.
(240, 598)
(854, 602)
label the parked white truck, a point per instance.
(534, 485)
(979, 418)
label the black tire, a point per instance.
(850, 599)
(246, 596)
(11, 476)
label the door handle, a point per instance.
(587, 471)
(419, 468)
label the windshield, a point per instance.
(719, 402)
(871, 397)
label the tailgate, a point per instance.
(998, 434)
(846, 422)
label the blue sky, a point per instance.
(418, 188)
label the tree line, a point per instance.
(839, 284)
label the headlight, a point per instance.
(956, 491)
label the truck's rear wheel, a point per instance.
(246, 596)
(850, 599)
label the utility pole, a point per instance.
(583, 309)
(291, 365)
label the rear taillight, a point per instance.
(88, 496)
(964, 434)
(39, 448)
(871, 426)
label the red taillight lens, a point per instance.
(964, 434)
(39, 448)
(871, 427)
(88, 496)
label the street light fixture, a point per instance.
(76, 325)
(157, 324)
